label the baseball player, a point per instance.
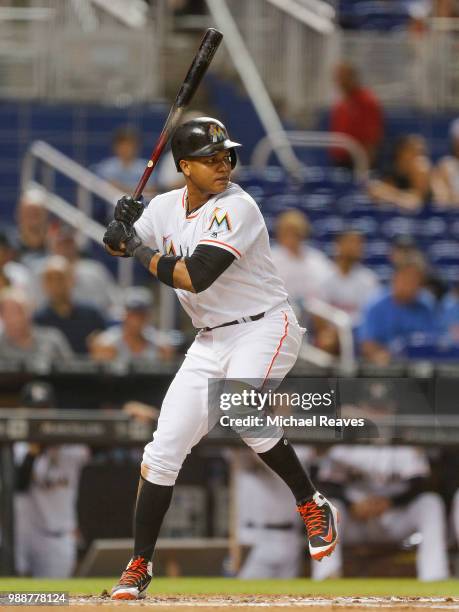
(45, 502)
(209, 242)
(383, 494)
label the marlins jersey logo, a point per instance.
(217, 133)
(219, 221)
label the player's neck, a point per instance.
(195, 198)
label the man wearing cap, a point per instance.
(135, 338)
(210, 243)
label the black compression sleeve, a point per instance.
(206, 264)
(165, 271)
(144, 255)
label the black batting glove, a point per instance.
(128, 211)
(121, 238)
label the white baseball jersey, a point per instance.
(231, 221)
(373, 470)
(49, 504)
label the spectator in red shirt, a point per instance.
(358, 114)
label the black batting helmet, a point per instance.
(201, 137)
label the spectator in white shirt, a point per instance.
(93, 283)
(301, 266)
(351, 285)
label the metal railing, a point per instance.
(295, 59)
(65, 51)
(343, 324)
(41, 165)
(321, 140)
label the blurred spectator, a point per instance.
(403, 248)
(403, 310)
(125, 168)
(358, 114)
(450, 315)
(20, 339)
(383, 494)
(447, 172)
(33, 223)
(135, 338)
(93, 284)
(301, 266)
(45, 503)
(409, 181)
(350, 286)
(77, 321)
(12, 273)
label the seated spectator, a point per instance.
(350, 286)
(450, 315)
(33, 223)
(301, 266)
(357, 114)
(135, 338)
(77, 321)
(125, 168)
(12, 273)
(383, 494)
(20, 339)
(93, 283)
(403, 310)
(403, 248)
(408, 183)
(447, 172)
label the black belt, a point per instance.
(274, 526)
(236, 321)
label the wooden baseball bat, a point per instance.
(209, 45)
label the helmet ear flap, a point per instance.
(233, 157)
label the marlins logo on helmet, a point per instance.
(217, 133)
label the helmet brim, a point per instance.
(211, 149)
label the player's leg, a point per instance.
(183, 421)
(425, 515)
(455, 515)
(261, 353)
(54, 556)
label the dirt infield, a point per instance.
(279, 603)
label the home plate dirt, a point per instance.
(279, 603)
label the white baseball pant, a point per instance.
(424, 515)
(455, 515)
(263, 349)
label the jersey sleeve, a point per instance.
(145, 226)
(233, 226)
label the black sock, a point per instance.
(283, 461)
(152, 503)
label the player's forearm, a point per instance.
(180, 275)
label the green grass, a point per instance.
(215, 586)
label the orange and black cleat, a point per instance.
(321, 520)
(134, 580)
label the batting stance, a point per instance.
(209, 242)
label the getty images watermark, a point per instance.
(259, 405)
